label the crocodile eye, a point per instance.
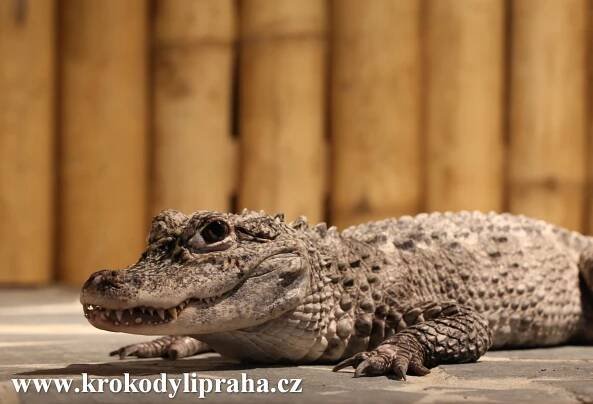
(215, 231)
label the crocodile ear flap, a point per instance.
(300, 223)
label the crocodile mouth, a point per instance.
(145, 315)
(142, 315)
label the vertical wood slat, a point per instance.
(464, 104)
(103, 193)
(26, 141)
(547, 149)
(589, 122)
(194, 165)
(282, 95)
(375, 110)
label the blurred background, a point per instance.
(344, 111)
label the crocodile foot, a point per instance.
(399, 356)
(170, 347)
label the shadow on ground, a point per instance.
(137, 367)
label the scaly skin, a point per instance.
(395, 296)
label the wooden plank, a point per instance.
(589, 124)
(464, 111)
(547, 117)
(282, 96)
(103, 197)
(194, 164)
(26, 141)
(375, 110)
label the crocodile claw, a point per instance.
(362, 368)
(353, 361)
(397, 358)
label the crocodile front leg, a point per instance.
(170, 347)
(455, 334)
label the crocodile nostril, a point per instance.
(97, 280)
(102, 280)
(94, 280)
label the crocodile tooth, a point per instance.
(130, 312)
(173, 313)
(181, 305)
(138, 320)
(161, 313)
(151, 312)
(143, 310)
(119, 314)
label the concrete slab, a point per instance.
(44, 335)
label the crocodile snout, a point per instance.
(103, 280)
(106, 286)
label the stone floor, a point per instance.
(44, 335)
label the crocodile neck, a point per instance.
(345, 311)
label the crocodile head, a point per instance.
(204, 273)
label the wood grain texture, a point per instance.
(589, 122)
(375, 110)
(282, 106)
(464, 104)
(194, 165)
(103, 172)
(547, 110)
(26, 141)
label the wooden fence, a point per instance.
(342, 110)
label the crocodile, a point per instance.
(394, 297)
